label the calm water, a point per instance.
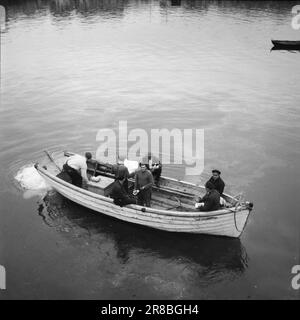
(70, 68)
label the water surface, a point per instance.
(70, 68)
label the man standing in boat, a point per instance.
(154, 165)
(217, 182)
(76, 167)
(211, 200)
(143, 185)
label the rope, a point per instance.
(235, 211)
(235, 224)
(178, 205)
(178, 200)
(49, 156)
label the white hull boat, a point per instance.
(172, 205)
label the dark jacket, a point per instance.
(143, 179)
(211, 201)
(119, 194)
(218, 184)
(120, 171)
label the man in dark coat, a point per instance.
(211, 200)
(217, 182)
(154, 165)
(119, 194)
(143, 183)
(121, 172)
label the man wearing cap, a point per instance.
(76, 167)
(143, 185)
(154, 165)
(217, 182)
(211, 200)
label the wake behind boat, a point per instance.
(172, 202)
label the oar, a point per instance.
(49, 156)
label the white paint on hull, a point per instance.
(222, 223)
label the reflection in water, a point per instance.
(173, 3)
(202, 259)
(176, 3)
(86, 7)
(65, 7)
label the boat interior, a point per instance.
(170, 194)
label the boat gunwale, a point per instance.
(141, 208)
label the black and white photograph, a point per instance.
(149, 151)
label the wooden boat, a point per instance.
(287, 44)
(172, 205)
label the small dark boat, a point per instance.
(286, 44)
